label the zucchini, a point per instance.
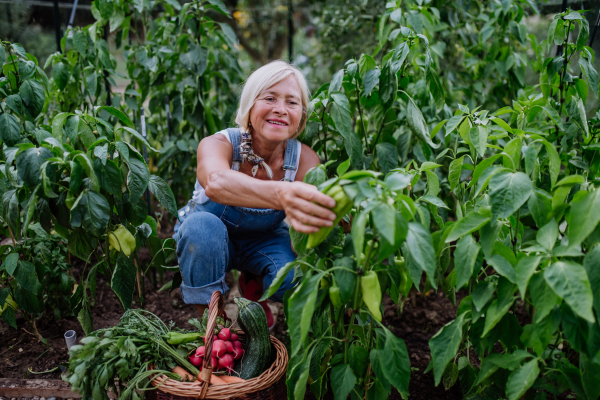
(253, 321)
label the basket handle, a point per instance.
(215, 309)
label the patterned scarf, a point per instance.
(248, 155)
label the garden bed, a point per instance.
(422, 317)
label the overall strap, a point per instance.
(290, 161)
(235, 137)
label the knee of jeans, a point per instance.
(201, 229)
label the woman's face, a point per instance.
(277, 111)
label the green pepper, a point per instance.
(371, 291)
(176, 338)
(121, 239)
(335, 297)
(343, 205)
(70, 200)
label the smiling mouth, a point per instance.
(277, 123)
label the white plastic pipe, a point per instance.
(70, 338)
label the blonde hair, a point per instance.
(262, 79)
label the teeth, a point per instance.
(277, 123)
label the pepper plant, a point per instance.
(74, 176)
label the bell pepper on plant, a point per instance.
(342, 207)
(70, 200)
(121, 239)
(371, 292)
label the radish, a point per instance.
(213, 360)
(226, 362)
(219, 348)
(237, 343)
(196, 360)
(200, 351)
(229, 346)
(234, 337)
(238, 352)
(225, 334)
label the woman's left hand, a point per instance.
(306, 207)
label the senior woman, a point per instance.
(249, 180)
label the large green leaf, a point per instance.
(384, 217)
(137, 179)
(524, 271)
(569, 280)
(123, 280)
(499, 307)
(417, 123)
(301, 306)
(522, 379)
(454, 172)
(478, 135)
(444, 345)
(508, 192)
(109, 176)
(32, 93)
(346, 280)
(503, 267)
(342, 381)
(465, 256)
(540, 206)
(387, 156)
(419, 252)
(26, 276)
(397, 363)
(469, 224)
(91, 211)
(340, 113)
(60, 74)
(29, 163)
(584, 217)
(10, 132)
(590, 73)
(163, 193)
(388, 85)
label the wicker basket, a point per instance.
(270, 385)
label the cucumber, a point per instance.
(253, 321)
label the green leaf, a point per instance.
(10, 132)
(346, 280)
(478, 136)
(396, 363)
(91, 212)
(444, 345)
(420, 253)
(57, 125)
(503, 267)
(29, 163)
(465, 256)
(469, 224)
(371, 80)
(591, 263)
(79, 245)
(584, 217)
(26, 276)
(522, 379)
(417, 123)
(137, 135)
(499, 307)
(119, 114)
(336, 81)
(26, 300)
(540, 206)
(590, 73)
(282, 273)
(569, 280)
(32, 93)
(542, 296)
(301, 306)
(524, 271)
(163, 193)
(387, 156)
(388, 86)
(548, 234)
(80, 42)
(481, 167)
(384, 217)
(342, 381)
(123, 280)
(84, 161)
(10, 264)
(454, 172)
(61, 74)
(109, 176)
(106, 8)
(8, 315)
(137, 179)
(482, 293)
(340, 113)
(508, 192)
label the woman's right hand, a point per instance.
(306, 207)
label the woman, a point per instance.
(249, 180)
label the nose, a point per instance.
(279, 107)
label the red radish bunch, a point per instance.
(225, 350)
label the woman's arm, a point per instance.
(226, 186)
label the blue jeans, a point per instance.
(213, 239)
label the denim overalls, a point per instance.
(213, 238)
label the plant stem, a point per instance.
(378, 133)
(362, 121)
(323, 140)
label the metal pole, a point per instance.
(57, 25)
(72, 17)
(168, 114)
(143, 125)
(290, 30)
